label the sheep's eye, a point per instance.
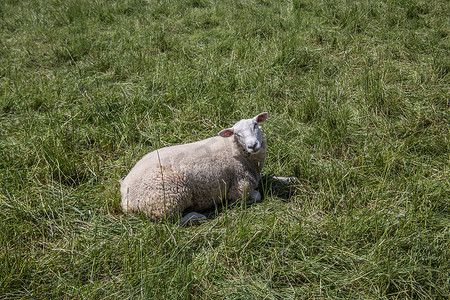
(256, 125)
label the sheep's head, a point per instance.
(248, 133)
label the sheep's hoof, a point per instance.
(192, 218)
(256, 197)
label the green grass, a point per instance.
(358, 96)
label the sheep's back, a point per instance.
(198, 163)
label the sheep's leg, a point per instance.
(239, 190)
(191, 218)
(243, 190)
(256, 197)
(286, 179)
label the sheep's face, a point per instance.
(248, 133)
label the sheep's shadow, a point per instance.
(280, 187)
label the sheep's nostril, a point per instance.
(253, 147)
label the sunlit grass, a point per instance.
(357, 95)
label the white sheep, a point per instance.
(198, 176)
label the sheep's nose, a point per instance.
(253, 147)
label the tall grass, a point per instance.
(359, 108)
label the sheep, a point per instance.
(198, 176)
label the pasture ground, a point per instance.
(358, 96)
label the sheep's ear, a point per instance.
(227, 132)
(261, 117)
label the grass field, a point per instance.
(358, 96)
